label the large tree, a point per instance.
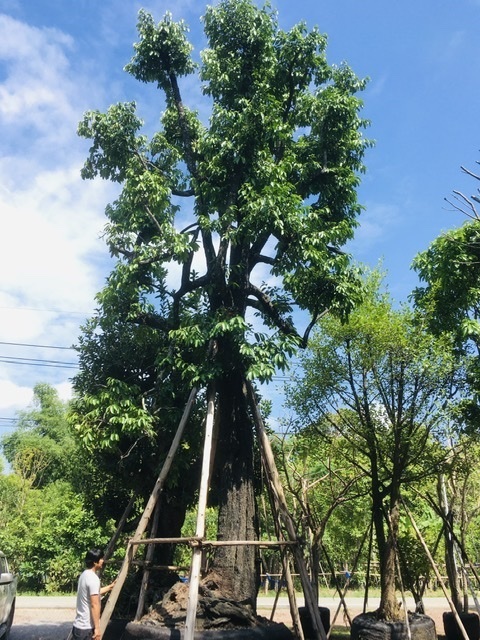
(227, 225)
(382, 383)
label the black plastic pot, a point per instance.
(306, 621)
(470, 621)
(367, 627)
(115, 629)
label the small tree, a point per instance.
(381, 382)
(41, 448)
(324, 492)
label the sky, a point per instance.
(59, 58)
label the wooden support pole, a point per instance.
(121, 523)
(201, 516)
(292, 598)
(337, 585)
(146, 571)
(343, 592)
(142, 525)
(277, 594)
(310, 599)
(437, 572)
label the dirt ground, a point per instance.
(53, 622)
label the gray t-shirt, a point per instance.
(88, 585)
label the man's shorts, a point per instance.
(81, 634)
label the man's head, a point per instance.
(93, 557)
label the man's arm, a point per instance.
(109, 587)
(95, 608)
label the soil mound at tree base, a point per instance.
(218, 616)
(367, 626)
(272, 631)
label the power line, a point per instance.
(63, 362)
(37, 362)
(40, 346)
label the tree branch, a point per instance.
(263, 303)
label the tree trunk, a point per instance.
(170, 525)
(389, 608)
(450, 562)
(237, 566)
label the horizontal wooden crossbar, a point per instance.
(195, 541)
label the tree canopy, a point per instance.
(46, 520)
(41, 448)
(449, 297)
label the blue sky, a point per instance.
(59, 58)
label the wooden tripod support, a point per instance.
(281, 515)
(142, 525)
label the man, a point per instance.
(86, 625)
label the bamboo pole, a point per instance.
(292, 598)
(142, 525)
(201, 516)
(283, 576)
(437, 572)
(343, 592)
(148, 560)
(310, 599)
(119, 529)
(337, 585)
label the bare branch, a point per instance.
(470, 173)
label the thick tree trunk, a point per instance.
(170, 525)
(238, 566)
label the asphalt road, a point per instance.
(43, 618)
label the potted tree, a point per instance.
(320, 487)
(380, 381)
(453, 493)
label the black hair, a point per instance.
(93, 556)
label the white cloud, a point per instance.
(52, 260)
(14, 396)
(376, 225)
(52, 227)
(37, 88)
(64, 390)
